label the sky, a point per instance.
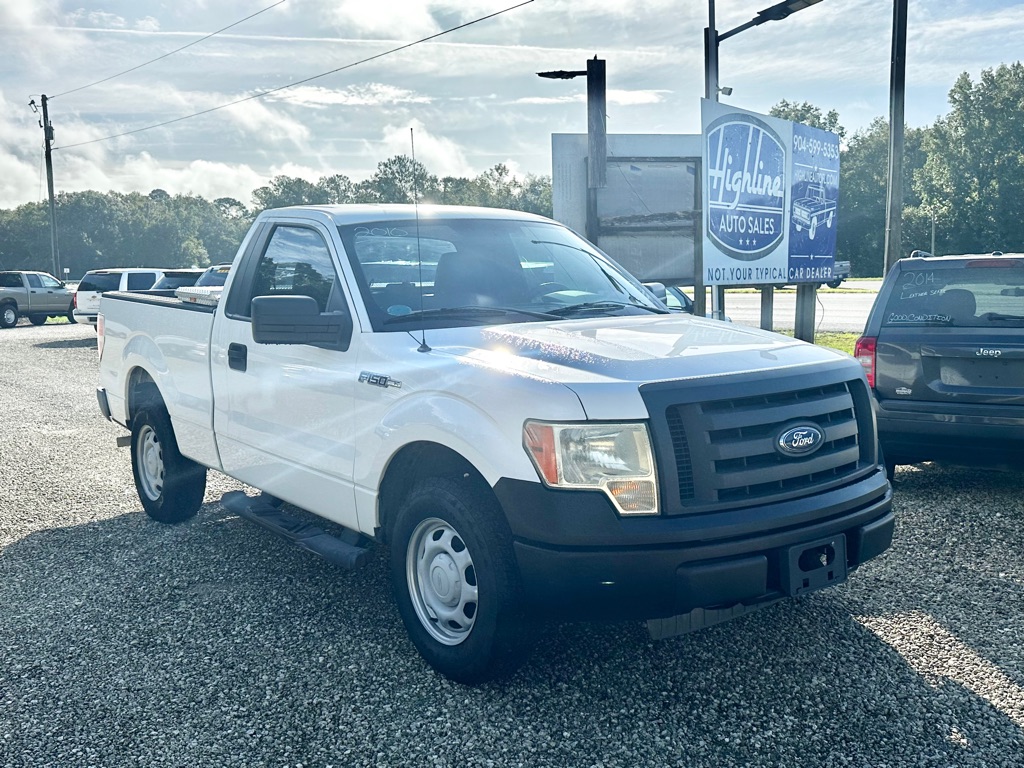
(471, 97)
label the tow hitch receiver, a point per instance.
(810, 567)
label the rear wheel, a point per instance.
(71, 314)
(8, 316)
(456, 583)
(37, 319)
(170, 486)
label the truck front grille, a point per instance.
(721, 453)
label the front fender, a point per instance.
(489, 438)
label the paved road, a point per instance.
(845, 309)
(126, 643)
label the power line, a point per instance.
(261, 94)
(170, 53)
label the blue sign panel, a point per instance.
(815, 195)
(746, 178)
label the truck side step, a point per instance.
(310, 537)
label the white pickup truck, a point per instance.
(530, 431)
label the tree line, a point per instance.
(963, 179)
(113, 229)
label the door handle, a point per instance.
(237, 356)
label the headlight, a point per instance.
(614, 458)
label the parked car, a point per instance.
(943, 350)
(35, 295)
(178, 278)
(96, 281)
(840, 271)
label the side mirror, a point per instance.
(298, 320)
(658, 289)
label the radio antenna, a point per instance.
(419, 255)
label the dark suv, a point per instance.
(943, 349)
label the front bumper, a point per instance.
(578, 558)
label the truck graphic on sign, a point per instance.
(813, 209)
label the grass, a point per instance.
(832, 339)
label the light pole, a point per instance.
(597, 134)
(712, 39)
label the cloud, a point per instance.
(147, 24)
(269, 125)
(100, 19)
(365, 95)
(438, 154)
(22, 15)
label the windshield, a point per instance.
(471, 271)
(214, 276)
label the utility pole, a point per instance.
(48, 144)
(897, 87)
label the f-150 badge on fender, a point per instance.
(379, 380)
(800, 440)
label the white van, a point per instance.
(97, 281)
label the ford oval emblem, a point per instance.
(799, 440)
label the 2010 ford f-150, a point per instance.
(525, 425)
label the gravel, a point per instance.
(127, 643)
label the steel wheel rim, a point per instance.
(151, 463)
(442, 581)
(9, 315)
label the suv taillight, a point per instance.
(76, 299)
(864, 351)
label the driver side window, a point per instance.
(297, 262)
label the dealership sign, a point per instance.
(770, 191)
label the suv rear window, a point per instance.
(959, 297)
(100, 281)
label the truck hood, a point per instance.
(633, 349)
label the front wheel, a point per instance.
(834, 283)
(8, 316)
(456, 583)
(170, 486)
(37, 319)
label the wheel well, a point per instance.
(142, 392)
(416, 462)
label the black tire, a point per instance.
(834, 283)
(37, 319)
(71, 315)
(8, 316)
(170, 487)
(456, 582)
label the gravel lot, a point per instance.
(128, 643)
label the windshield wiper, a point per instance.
(468, 311)
(603, 306)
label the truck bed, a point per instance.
(137, 330)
